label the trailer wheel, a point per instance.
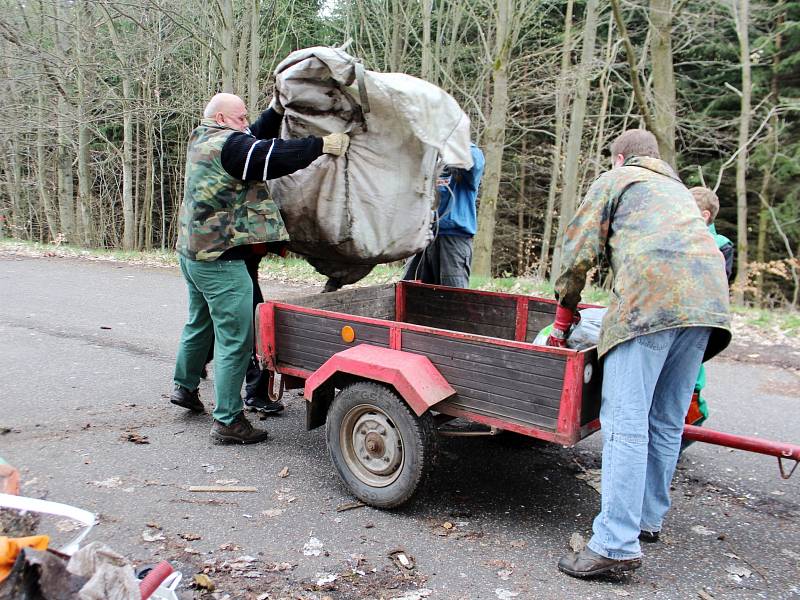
(380, 449)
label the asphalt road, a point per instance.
(87, 354)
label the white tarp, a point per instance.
(375, 204)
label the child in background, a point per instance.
(708, 203)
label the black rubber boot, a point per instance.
(189, 400)
(238, 432)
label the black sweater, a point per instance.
(263, 155)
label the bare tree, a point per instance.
(569, 192)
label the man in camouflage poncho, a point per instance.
(667, 313)
(226, 218)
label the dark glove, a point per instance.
(565, 318)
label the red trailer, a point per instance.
(383, 367)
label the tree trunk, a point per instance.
(742, 15)
(427, 55)
(228, 48)
(560, 117)
(494, 139)
(664, 105)
(84, 173)
(42, 175)
(66, 197)
(570, 188)
(255, 61)
(766, 191)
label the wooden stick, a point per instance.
(222, 488)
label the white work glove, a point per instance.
(335, 144)
(275, 103)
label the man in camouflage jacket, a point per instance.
(226, 218)
(667, 313)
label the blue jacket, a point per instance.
(457, 215)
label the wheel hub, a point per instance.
(377, 446)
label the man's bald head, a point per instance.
(228, 110)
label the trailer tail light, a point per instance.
(348, 334)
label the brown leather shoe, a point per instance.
(590, 564)
(238, 432)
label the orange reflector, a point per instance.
(348, 334)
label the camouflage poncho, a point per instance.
(219, 211)
(667, 270)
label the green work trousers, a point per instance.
(220, 307)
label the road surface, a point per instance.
(87, 354)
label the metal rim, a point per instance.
(372, 445)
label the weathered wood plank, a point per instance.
(490, 409)
(534, 361)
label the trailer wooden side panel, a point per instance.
(523, 386)
(376, 302)
(540, 315)
(306, 341)
(461, 310)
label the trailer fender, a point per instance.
(413, 377)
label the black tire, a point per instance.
(380, 469)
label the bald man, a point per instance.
(226, 218)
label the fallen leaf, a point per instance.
(153, 525)
(738, 573)
(504, 574)
(68, 525)
(203, 581)
(349, 506)
(704, 595)
(190, 550)
(281, 566)
(592, 478)
(414, 594)
(190, 537)
(222, 488)
(313, 547)
(152, 535)
(790, 554)
(284, 472)
(111, 482)
(229, 547)
(326, 578)
(135, 437)
(577, 542)
(702, 530)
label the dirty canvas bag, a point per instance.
(376, 203)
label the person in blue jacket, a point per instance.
(448, 258)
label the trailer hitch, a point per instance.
(784, 474)
(750, 444)
(271, 393)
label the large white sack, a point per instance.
(375, 204)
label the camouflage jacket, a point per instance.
(220, 212)
(667, 271)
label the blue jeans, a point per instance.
(647, 387)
